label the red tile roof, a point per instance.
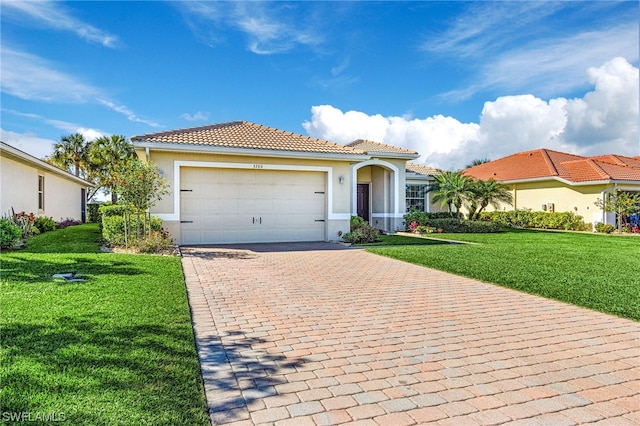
(242, 134)
(546, 163)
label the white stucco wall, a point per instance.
(19, 190)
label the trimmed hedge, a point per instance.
(425, 218)
(541, 220)
(459, 226)
(113, 228)
(93, 214)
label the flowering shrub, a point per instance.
(68, 222)
(24, 221)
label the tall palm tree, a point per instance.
(451, 189)
(71, 154)
(107, 153)
(485, 192)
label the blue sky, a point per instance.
(454, 81)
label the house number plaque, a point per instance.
(257, 166)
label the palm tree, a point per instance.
(477, 162)
(485, 192)
(451, 189)
(105, 154)
(71, 154)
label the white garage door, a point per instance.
(247, 205)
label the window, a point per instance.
(40, 192)
(416, 196)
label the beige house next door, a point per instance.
(223, 205)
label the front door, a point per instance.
(363, 201)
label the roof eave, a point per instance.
(398, 155)
(22, 156)
(571, 183)
(203, 149)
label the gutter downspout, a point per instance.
(147, 153)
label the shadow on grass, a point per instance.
(34, 268)
(237, 373)
(87, 368)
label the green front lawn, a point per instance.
(599, 272)
(116, 349)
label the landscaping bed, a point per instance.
(114, 347)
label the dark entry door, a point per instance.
(363, 201)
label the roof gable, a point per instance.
(372, 147)
(421, 169)
(244, 135)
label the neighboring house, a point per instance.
(549, 180)
(243, 182)
(34, 186)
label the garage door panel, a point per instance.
(246, 205)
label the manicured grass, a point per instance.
(116, 349)
(401, 240)
(598, 272)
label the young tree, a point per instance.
(621, 203)
(139, 183)
(451, 189)
(105, 155)
(485, 192)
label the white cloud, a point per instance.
(198, 116)
(28, 142)
(269, 29)
(605, 120)
(52, 14)
(511, 47)
(88, 133)
(30, 77)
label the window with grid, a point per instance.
(415, 196)
(40, 192)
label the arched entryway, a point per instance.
(376, 197)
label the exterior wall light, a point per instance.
(341, 180)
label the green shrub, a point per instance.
(113, 228)
(10, 234)
(605, 228)
(541, 220)
(459, 226)
(424, 218)
(361, 232)
(157, 242)
(45, 224)
(107, 210)
(362, 235)
(93, 213)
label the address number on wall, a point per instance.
(257, 166)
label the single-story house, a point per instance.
(547, 180)
(34, 186)
(243, 182)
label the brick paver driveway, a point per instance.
(317, 334)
